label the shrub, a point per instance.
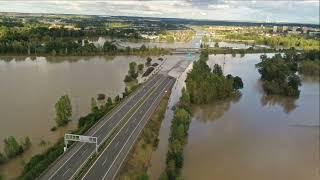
(11, 147)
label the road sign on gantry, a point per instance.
(80, 138)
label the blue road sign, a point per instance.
(189, 56)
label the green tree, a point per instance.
(140, 67)
(63, 110)
(11, 147)
(185, 102)
(143, 47)
(217, 70)
(117, 99)
(27, 143)
(133, 70)
(143, 177)
(237, 83)
(2, 158)
(148, 63)
(216, 45)
(278, 75)
(109, 101)
(205, 85)
(94, 106)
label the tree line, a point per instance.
(178, 138)
(62, 46)
(288, 41)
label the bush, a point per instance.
(2, 158)
(27, 143)
(140, 67)
(148, 63)
(54, 128)
(148, 71)
(127, 78)
(101, 97)
(11, 147)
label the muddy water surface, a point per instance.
(254, 136)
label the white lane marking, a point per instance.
(132, 134)
(126, 130)
(115, 146)
(105, 161)
(84, 152)
(119, 132)
(65, 172)
(113, 114)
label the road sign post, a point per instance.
(80, 138)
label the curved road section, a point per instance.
(123, 117)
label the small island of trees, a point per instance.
(206, 85)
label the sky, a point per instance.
(296, 11)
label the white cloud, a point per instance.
(257, 10)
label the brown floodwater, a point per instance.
(30, 88)
(254, 136)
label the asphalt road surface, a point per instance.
(70, 162)
(111, 159)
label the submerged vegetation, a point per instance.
(309, 68)
(206, 85)
(63, 109)
(12, 148)
(178, 138)
(132, 72)
(278, 73)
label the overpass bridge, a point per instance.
(186, 50)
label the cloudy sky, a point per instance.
(301, 11)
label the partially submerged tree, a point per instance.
(63, 109)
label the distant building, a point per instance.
(315, 33)
(284, 28)
(55, 26)
(305, 30)
(294, 28)
(275, 29)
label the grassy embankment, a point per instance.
(139, 157)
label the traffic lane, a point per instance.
(75, 162)
(105, 160)
(110, 156)
(77, 146)
(117, 117)
(113, 169)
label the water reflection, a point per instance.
(259, 137)
(287, 103)
(211, 112)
